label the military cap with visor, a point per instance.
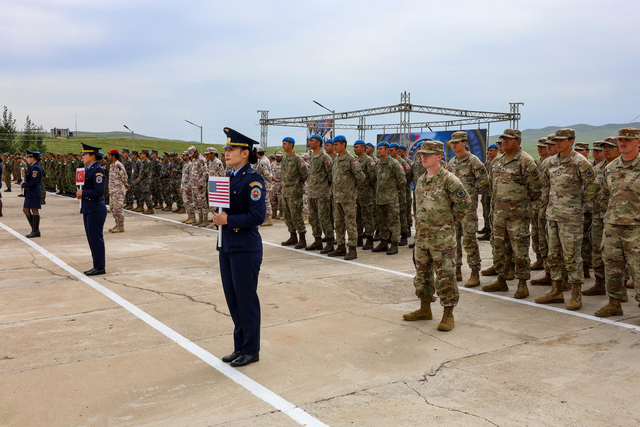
(458, 136)
(566, 133)
(512, 134)
(629, 133)
(431, 147)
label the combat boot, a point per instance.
(369, 244)
(302, 242)
(114, 227)
(625, 297)
(341, 250)
(393, 249)
(148, 211)
(403, 240)
(499, 285)
(212, 226)
(139, 208)
(305, 218)
(376, 236)
(317, 244)
(383, 246)
(423, 313)
(267, 221)
(182, 210)
(167, 208)
(566, 286)
(575, 303)
(352, 254)
(585, 269)
(612, 309)
(523, 290)
(412, 245)
(328, 248)
(512, 271)
(203, 220)
(545, 281)
(192, 219)
(474, 280)
(597, 289)
(127, 206)
(538, 265)
(458, 274)
(629, 284)
(119, 228)
(292, 240)
(491, 271)
(360, 241)
(553, 296)
(157, 206)
(447, 323)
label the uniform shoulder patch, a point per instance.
(356, 163)
(407, 167)
(98, 179)
(329, 162)
(255, 184)
(534, 173)
(589, 173)
(373, 163)
(401, 168)
(35, 174)
(482, 170)
(98, 174)
(461, 193)
(256, 193)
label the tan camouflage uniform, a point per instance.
(118, 180)
(276, 189)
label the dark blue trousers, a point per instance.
(239, 272)
(93, 225)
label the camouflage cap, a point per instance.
(125, 150)
(550, 137)
(542, 142)
(165, 154)
(432, 147)
(260, 150)
(512, 133)
(550, 141)
(566, 133)
(612, 141)
(134, 152)
(597, 146)
(145, 152)
(173, 154)
(458, 136)
(581, 146)
(278, 153)
(191, 150)
(186, 153)
(629, 133)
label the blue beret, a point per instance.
(289, 139)
(492, 146)
(328, 141)
(102, 154)
(359, 142)
(318, 137)
(340, 138)
(402, 146)
(394, 145)
(383, 144)
(368, 144)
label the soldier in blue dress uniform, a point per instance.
(241, 251)
(32, 186)
(94, 211)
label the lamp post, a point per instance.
(133, 139)
(333, 125)
(200, 132)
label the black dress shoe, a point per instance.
(231, 357)
(245, 359)
(94, 272)
(8, 190)
(20, 195)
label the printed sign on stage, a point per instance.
(477, 141)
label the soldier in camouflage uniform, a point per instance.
(294, 174)
(441, 201)
(366, 197)
(176, 182)
(535, 210)
(516, 184)
(135, 187)
(346, 174)
(472, 173)
(185, 188)
(319, 187)
(165, 182)
(199, 186)
(6, 173)
(417, 170)
(569, 182)
(216, 168)
(305, 193)
(621, 238)
(408, 191)
(583, 148)
(390, 179)
(144, 184)
(156, 184)
(394, 152)
(118, 184)
(128, 165)
(276, 190)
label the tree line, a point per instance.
(12, 140)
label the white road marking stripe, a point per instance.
(266, 395)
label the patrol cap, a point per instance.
(125, 150)
(34, 154)
(260, 150)
(581, 146)
(165, 154)
(173, 154)
(550, 141)
(566, 133)
(289, 139)
(597, 146)
(318, 137)
(236, 139)
(431, 147)
(328, 141)
(340, 138)
(550, 137)
(134, 152)
(629, 133)
(512, 133)
(542, 142)
(191, 150)
(359, 142)
(458, 136)
(383, 144)
(272, 156)
(145, 152)
(278, 153)
(492, 146)
(186, 153)
(610, 141)
(154, 151)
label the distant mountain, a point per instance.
(123, 134)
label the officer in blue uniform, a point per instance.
(241, 251)
(32, 186)
(94, 211)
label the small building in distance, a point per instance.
(61, 133)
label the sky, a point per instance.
(153, 64)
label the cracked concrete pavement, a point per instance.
(333, 340)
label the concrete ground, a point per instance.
(334, 343)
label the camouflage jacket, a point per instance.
(516, 183)
(117, 177)
(366, 189)
(621, 192)
(320, 176)
(127, 167)
(216, 168)
(390, 179)
(417, 170)
(471, 172)
(199, 172)
(294, 174)
(144, 173)
(185, 184)
(276, 172)
(567, 184)
(347, 173)
(441, 200)
(407, 170)
(165, 170)
(156, 168)
(135, 169)
(178, 166)
(599, 210)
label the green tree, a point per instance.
(7, 131)
(32, 138)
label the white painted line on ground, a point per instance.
(462, 288)
(266, 395)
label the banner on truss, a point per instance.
(477, 141)
(320, 127)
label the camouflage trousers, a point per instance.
(436, 257)
(144, 193)
(188, 201)
(44, 194)
(543, 237)
(586, 240)
(514, 230)
(402, 212)
(345, 217)
(176, 190)
(409, 205)
(276, 198)
(128, 197)
(466, 235)
(565, 250)
(167, 192)
(292, 211)
(117, 204)
(7, 180)
(389, 221)
(486, 209)
(365, 215)
(305, 200)
(156, 192)
(200, 202)
(621, 249)
(267, 200)
(320, 217)
(597, 228)
(535, 232)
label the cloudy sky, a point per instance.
(152, 64)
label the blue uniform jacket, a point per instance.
(248, 208)
(32, 182)
(93, 190)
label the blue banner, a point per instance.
(477, 139)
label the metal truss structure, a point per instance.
(405, 108)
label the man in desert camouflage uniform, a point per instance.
(263, 166)
(276, 190)
(125, 159)
(294, 174)
(199, 182)
(185, 189)
(366, 197)
(216, 168)
(118, 185)
(568, 182)
(319, 188)
(441, 200)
